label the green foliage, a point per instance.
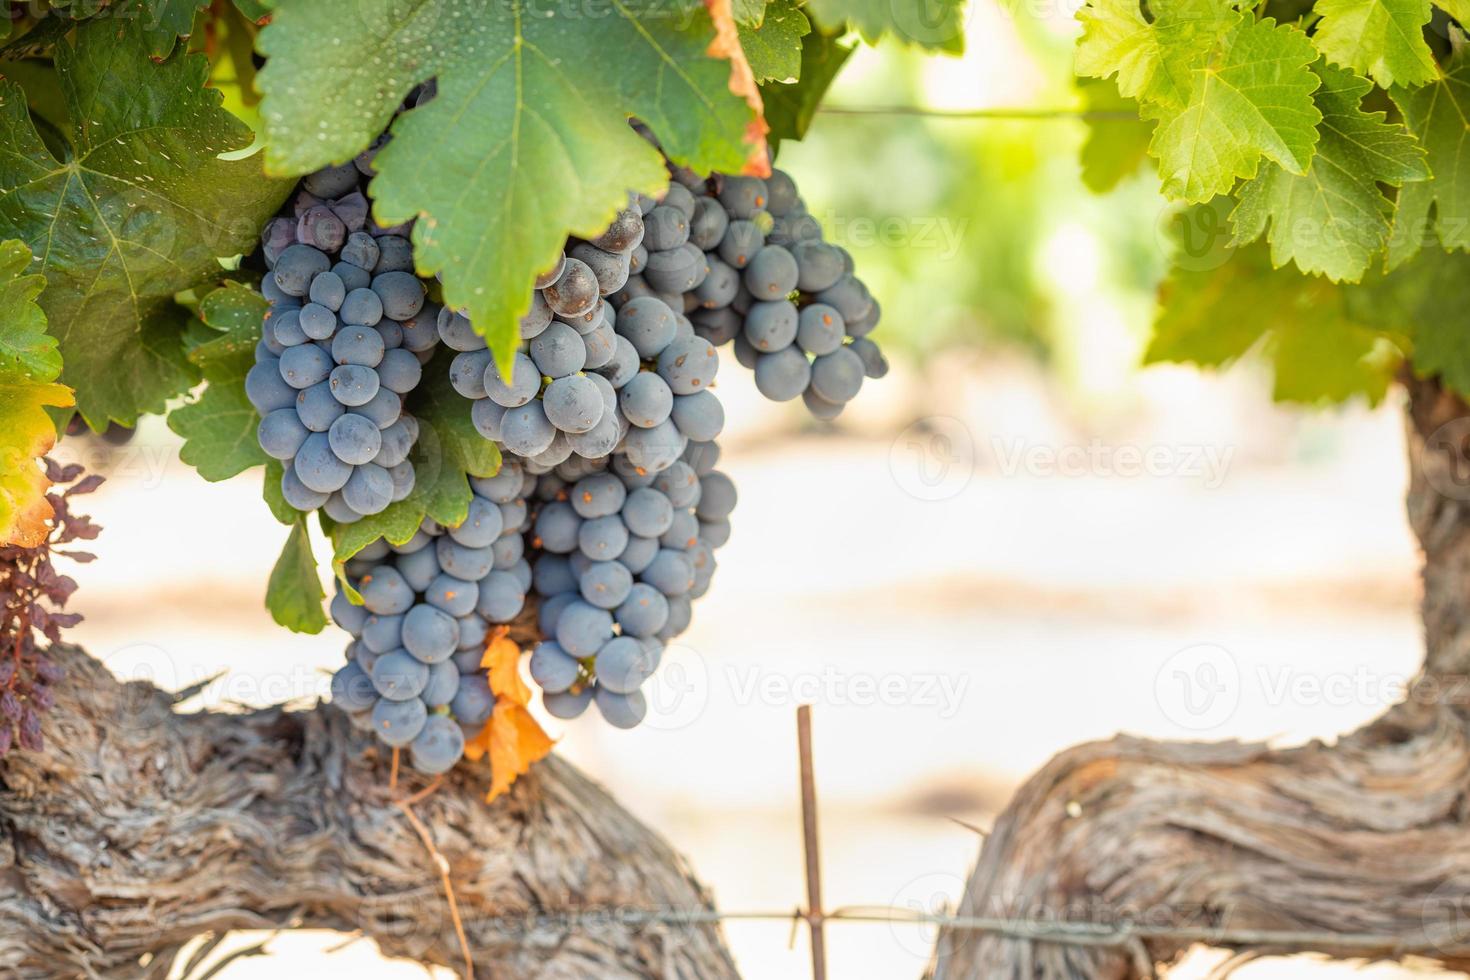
(774, 47)
(1219, 303)
(294, 594)
(791, 106)
(1117, 140)
(1383, 39)
(527, 139)
(935, 24)
(137, 210)
(219, 427)
(1436, 114)
(1333, 219)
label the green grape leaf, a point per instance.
(749, 13)
(1383, 39)
(935, 24)
(1155, 61)
(167, 21)
(449, 449)
(774, 48)
(270, 491)
(137, 212)
(1218, 304)
(1117, 139)
(791, 106)
(219, 427)
(1333, 219)
(527, 140)
(1427, 299)
(294, 594)
(1436, 114)
(29, 366)
(1253, 100)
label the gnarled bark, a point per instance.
(138, 829)
(1367, 836)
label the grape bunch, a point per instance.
(746, 261)
(348, 331)
(413, 674)
(621, 553)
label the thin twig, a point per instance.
(996, 113)
(424, 793)
(443, 867)
(393, 773)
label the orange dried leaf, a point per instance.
(503, 662)
(742, 82)
(516, 741)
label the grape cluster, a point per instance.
(413, 672)
(746, 261)
(349, 329)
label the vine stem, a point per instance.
(442, 865)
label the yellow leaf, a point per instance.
(26, 433)
(516, 741)
(503, 661)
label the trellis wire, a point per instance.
(1000, 113)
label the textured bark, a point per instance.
(1370, 835)
(138, 829)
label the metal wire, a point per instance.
(995, 113)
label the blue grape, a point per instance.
(653, 450)
(646, 400)
(850, 298)
(551, 575)
(639, 552)
(865, 323)
(719, 286)
(369, 490)
(419, 569)
(352, 276)
(399, 371)
(648, 323)
(621, 710)
(600, 343)
(430, 634)
(783, 374)
(874, 364)
(454, 595)
(607, 583)
(678, 196)
(567, 705)
(296, 266)
(781, 195)
(482, 525)
(281, 433)
(457, 332)
(699, 416)
(665, 227)
(643, 612)
(339, 510)
(608, 268)
(381, 632)
(574, 292)
(397, 443)
(703, 456)
(398, 723)
(552, 668)
(551, 609)
(623, 234)
(443, 685)
(719, 327)
(501, 597)
(395, 254)
(318, 467)
(361, 308)
(819, 265)
(403, 479)
(582, 629)
(708, 225)
(573, 404)
(679, 615)
(474, 701)
(467, 373)
(557, 527)
(524, 384)
(603, 538)
(537, 319)
(401, 293)
(384, 592)
(471, 564)
(622, 367)
(598, 495)
(837, 376)
(647, 512)
(743, 239)
(680, 484)
(317, 322)
(305, 365)
(717, 497)
(714, 533)
(819, 407)
(670, 572)
(821, 329)
(327, 290)
(683, 533)
(742, 197)
(504, 486)
(473, 632)
(623, 665)
(358, 345)
(526, 430)
(558, 351)
(399, 677)
(346, 615)
(285, 328)
(770, 326)
(676, 271)
(771, 273)
(383, 409)
(353, 384)
(689, 365)
(437, 747)
(354, 439)
(298, 494)
(352, 689)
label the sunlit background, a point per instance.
(1011, 544)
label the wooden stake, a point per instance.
(814, 914)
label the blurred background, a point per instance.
(1017, 541)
